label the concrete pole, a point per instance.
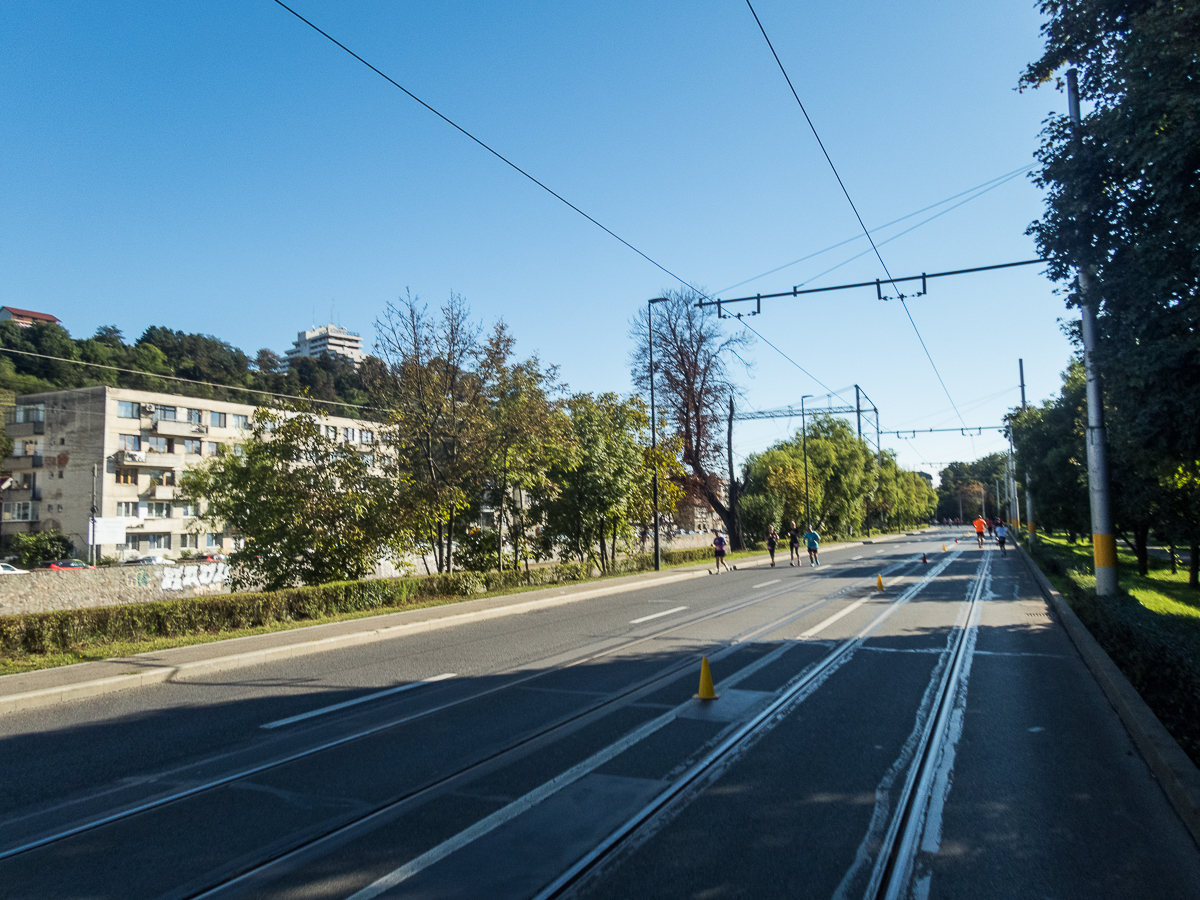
(653, 432)
(804, 445)
(1104, 542)
(92, 536)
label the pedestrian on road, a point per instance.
(813, 540)
(1001, 537)
(794, 543)
(772, 540)
(991, 523)
(980, 526)
(719, 552)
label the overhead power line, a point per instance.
(496, 153)
(850, 200)
(228, 387)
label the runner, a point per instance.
(813, 540)
(772, 540)
(794, 543)
(980, 525)
(719, 552)
(1001, 537)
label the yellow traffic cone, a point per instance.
(943, 548)
(706, 686)
(879, 582)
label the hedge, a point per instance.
(62, 630)
(1160, 655)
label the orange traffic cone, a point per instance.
(706, 685)
(879, 582)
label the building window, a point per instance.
(366, 437)
(212, 540)
(158, 444)
(129, 442)
(158, 541)
(368, 459)
(216, 419)
(158, 509)
(212, 448)
(189, 541)
(20, 511)
(330, 431)
(162, 476)
(127, 508)
(127, 409)
(127, 476)
(195, 416)
(190, 446)
(240, 421)
(188, 511)
(166, 413)
(348, 434)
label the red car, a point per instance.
(65, 565)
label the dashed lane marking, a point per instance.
(658, 615)
(278, 723)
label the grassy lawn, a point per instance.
(1151, 629)
(93, 652)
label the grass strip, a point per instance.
(1151, 630)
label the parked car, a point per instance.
(65, 565)
(6, 569)
(150, 560)
(212, 557)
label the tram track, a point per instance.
(527, 743)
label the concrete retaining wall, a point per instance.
(43, 590)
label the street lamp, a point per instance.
(654, 425)
(804, 445)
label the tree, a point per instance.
(1123, 202)
(434, 378)
(36, 547)
(692, 386)
(310, 507)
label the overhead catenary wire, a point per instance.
(850, 200)
(496, 153)
(982, 189)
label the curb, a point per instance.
(1171, 767)
(158, 673)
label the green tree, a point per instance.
(310, 507)
(36, 547)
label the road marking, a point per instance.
(768, 583)
(855, 557)
(821, 626)
(279, 723)
(665, 612)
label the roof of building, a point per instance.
(30, 314)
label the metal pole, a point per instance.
(92, 536)
(804, 445)
(858, 411)
(1104, 542)
(653, 433)
(1028, 481)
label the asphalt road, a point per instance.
(939, 738)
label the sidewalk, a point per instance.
(46, 687)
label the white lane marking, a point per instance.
(821, 626)
(665, 612)
(278, 723)
(514, 809)
(768, 583)
(856, 557)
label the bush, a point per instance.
(36, 547)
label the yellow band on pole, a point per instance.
(1104, 549)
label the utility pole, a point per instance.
(1104, 542)
(804, 445)
(1028, 481)
(858, 410)
(92, 536)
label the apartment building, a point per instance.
(128, 449)
(331, 339)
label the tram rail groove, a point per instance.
(579, 717)
(893, 865)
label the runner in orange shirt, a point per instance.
(980, 527)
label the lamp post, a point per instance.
(654, 425)
(804, 445)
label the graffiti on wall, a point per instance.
(178, 578)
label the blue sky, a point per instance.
(219, 167)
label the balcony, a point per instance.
(175, 428)
(24, 429)
(25, 463)
(151, 458)
(162, 492)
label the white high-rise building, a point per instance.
(331, 339)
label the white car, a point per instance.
(150, 561)
(6, 569)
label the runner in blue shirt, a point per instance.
(813, 540)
